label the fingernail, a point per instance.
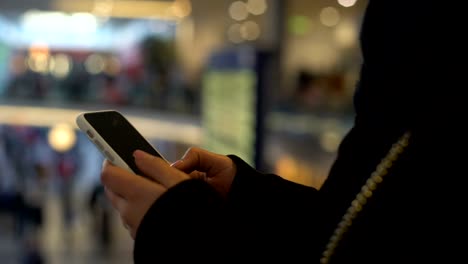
(138, 154)
(176, 163)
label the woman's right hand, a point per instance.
(218, 170)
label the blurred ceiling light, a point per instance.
(113, 66)
(347, 3)
(95, 64)
(250, 30)
(79, 22)
(125, 8)
(33, 19)
(83, 23)
(39, 64)
(181, 8)
(61, 66)
(238, 11)
(51, 64)
(346, 34)
(38, 49)
(62, 137)
(38, 59)
(330, 141)
(329, 16)
(257, 7)
(234, 33)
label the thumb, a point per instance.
(158, 169)
(195, 159)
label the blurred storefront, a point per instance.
(158, 62)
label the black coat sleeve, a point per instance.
(261, 217)
(182, 225)
(268, 194)
(275, 213)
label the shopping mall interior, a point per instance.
(268, 80)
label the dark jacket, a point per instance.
(412, 216)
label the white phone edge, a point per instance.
(100, 143)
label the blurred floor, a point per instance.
(75, 243)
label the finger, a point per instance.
(197, 159)
(121, 182)
(132, 233)
(198, 175)
(105, 163)
(117, 201)
(193, 160)
(122, 207)
(158, 169)
(125, 225)
(130, 229)
(176, 164)
(116, 179)
(187, 168)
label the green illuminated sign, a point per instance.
(229, 112)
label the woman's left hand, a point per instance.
(133, 195)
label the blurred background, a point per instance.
(269, 80)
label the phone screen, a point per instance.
(120, 135)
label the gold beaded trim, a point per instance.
(364, 195)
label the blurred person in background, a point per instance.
(27, 85)
(101, 212)
(66, 167)
(77, 83)
(38, 160)
(308, 94)
(392, 195)
(111, 93)
(31, 168)
(158, 60)
(10, 197)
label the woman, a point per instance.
(389, 196)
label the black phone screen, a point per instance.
(120, 135)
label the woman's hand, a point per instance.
(132, 195)
(218, 170)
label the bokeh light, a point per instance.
(238, 11)
(329, 16)
(257, 7)
(347, 3)
(250, 30)
(62, 137)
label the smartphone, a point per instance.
(115, 137)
